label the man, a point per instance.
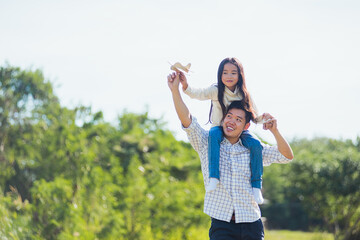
(231, 206)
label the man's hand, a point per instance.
(283, 146)
(173, 81)
(270, 123)
(180, 107)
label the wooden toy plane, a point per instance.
(178, 67)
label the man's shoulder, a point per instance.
(194, 131)
(194, 126)
(197, 136)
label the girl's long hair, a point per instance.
(246, 100)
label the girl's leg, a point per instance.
(256, 162)
(215, 137)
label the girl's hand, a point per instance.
(270, 123)
(183, 81)
(173, 81)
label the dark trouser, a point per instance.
(221, 230)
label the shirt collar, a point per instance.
(225, 141)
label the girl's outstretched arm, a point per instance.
(183, 81)
(209, 93)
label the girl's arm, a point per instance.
(183, 81)
(209, 93)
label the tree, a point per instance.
(326, 179)
(21, 93)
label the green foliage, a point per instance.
(68, 174)
(327, 181)
(15, 216)
(21, 92)
(51, 201)
(319, 189)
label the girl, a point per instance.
(230, 87)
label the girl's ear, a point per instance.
(247, 126)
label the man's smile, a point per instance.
(230, 128)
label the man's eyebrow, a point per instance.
(235, 115)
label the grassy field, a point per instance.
(295, 235)
(203, 233)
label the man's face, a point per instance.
(234, 123)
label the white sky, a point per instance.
(301, 57)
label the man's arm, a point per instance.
(180, 107)
(283, 146)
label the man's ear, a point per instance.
(247, 126)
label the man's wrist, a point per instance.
(275, 132)
(175, 91)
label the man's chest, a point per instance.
(234, 160)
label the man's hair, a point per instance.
(239, 105)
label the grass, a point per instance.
(196, 233)
(296, 235)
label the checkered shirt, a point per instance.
(234, 192)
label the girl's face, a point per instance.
(230, 76)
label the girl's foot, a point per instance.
(212, 185)
(258, 196)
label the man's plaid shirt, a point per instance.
(234, 192)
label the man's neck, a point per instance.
(232, 140)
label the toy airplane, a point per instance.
(178, 67)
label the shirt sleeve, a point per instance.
(210, 93)
(272, 155)
(198, 137)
